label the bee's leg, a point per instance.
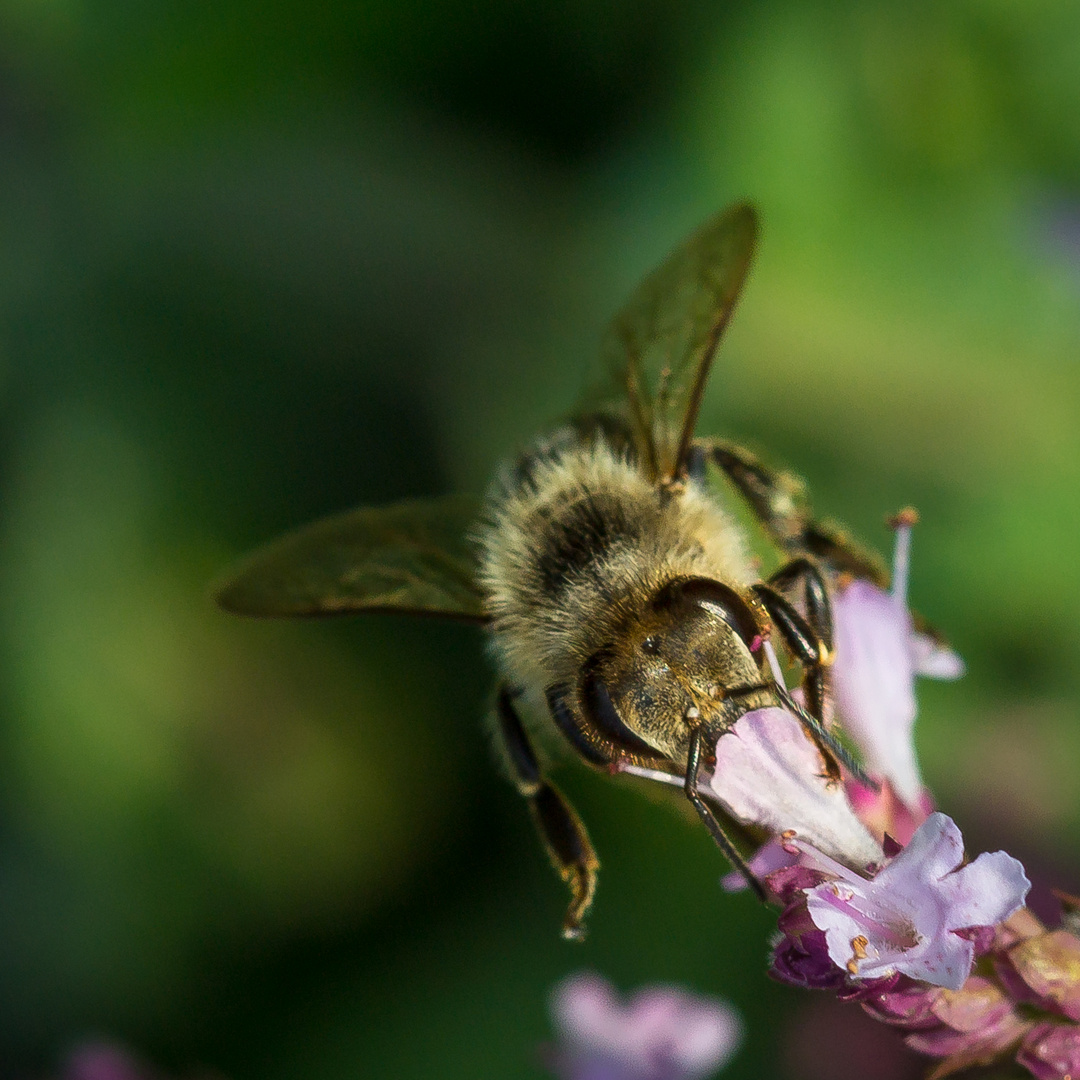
(778, 500)
(693, 765)
(815, 598)
(812, 652)
(560, 828)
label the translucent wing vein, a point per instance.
(410, 557)
(662, 343)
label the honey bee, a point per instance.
(624, 611)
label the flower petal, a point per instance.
(663, 1033)
(979, 1004)
(987, 891)
(944, 960)
(903, 919)
(936, 849)
(873, 679)
(587, 1012)
(695, 1035)
(101, 1061)
(768, 858)
(769, 773)
(932, 659)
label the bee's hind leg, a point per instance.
(560, 828)
(693, 766)
(778, 500)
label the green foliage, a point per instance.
(263, 262)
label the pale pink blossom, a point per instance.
(768, 773)
(878, 655)
(904, 919)
(660, 1033)
(773, 855)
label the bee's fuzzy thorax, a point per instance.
(576, 542)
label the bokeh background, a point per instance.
(261, 261)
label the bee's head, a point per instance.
(690, 659)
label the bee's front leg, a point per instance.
(815, 600)
(812, 651)
(560, 828)
(693, 766)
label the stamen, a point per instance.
(858, 952)
(902, 523)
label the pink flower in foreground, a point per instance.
(768, 773)
(661, 1033)
(904, 920)
(878, 655)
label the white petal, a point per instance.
(588, 1013)
(873, 680)
(936, 849)
(988, 890)
(834, 915)
(699, 1034)
(933, 660)
(768, 773)
(945, 960)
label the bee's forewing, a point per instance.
(410, 557)
(662, 343)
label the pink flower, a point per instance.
(878, 655)
(662, 1033)
(885, 814)
(904, 919)
(768, 773)
(977, 1025)
(1051, 1051)
(773, 855)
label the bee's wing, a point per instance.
(410, 557)
(662, 343)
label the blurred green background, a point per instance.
(263, 261)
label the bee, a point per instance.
(625, 614)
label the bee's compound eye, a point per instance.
(717, 598)
(604, 717)
(651, 646)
